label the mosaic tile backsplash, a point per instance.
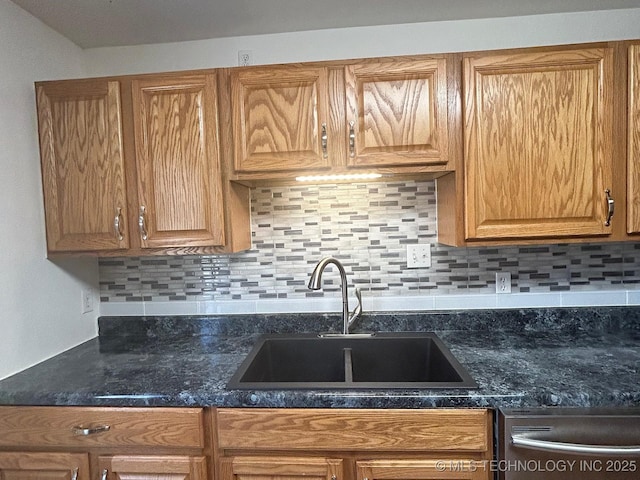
(367, 227)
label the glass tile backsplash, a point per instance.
(367, 227)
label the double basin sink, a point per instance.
(376, 361)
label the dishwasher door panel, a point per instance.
(563, 444)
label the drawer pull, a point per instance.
(117, 224)
(323, 140)
(105, 472)
(352, 139)
(75, 474)
(82, 431)
(610, 208)
(142, 222)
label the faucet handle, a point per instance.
(358, 310)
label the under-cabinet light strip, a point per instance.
(346, 176)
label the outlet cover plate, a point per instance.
(503, 282)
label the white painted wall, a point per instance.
(407, 39)
(39, 299)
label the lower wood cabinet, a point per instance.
(289, 467)
(320, 444)
(44, 466)
(152, 467)
(95, 443)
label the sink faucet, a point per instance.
(315, 284)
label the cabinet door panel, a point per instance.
(278, 117)
(633, 155)
(281, 468)
(454, 469)
(179, 185)
(82, 165)
(43, 466)
(538, 144)
(160, 467)
(399, 112)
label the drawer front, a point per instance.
(354, 430)
(101, 427)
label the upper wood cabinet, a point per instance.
(538, 144)
(279, 118)
(397, 112)
(177, 160)
(385, 115)
(82, 160)
(133, 166)
(633, 148)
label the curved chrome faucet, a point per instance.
(315, 283)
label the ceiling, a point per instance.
(100, 23)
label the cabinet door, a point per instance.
(455, 469)
(82, 165)
(397, 113)
(633, 152)
(158, 467)
(178, 167)
(44, 466)
(538, 144)
(281, 468)
(279, 119)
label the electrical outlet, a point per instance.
(419, 256)
(87, 301)
(245, 58)
(503, 282)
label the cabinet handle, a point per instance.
(610, 207)
(323, 140)
(352, 139)
(74, 476)
(104, 474)
(142, 222)
(83, 431)
(117, 224)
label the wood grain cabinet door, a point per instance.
(538, 143)
(279, 119)
(82, 165)
(281, 468)
(449, 468)
(157, 467)
(397, 113)
(633, 151)
(177, 161)
(44, 466)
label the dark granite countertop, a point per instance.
(519, 358)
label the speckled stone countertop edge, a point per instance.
(578, 357)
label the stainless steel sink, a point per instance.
(381, 361)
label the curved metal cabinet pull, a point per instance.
(142, 222)
(74, 476)
(86, 431)
(352, 139)
(117, 224)
(324, 140)
(104, 474)
(610, 208)
(524, 442)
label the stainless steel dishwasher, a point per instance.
(566, 443)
